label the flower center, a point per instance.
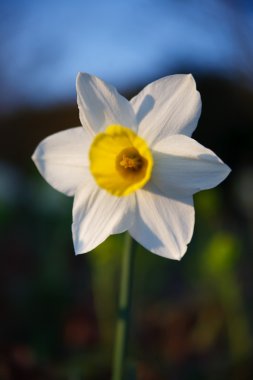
(120, 160)
(130, 159)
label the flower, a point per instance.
(132, 165)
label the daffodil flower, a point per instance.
(132, 165)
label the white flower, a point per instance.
(132, 165)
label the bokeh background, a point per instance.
(190, 319)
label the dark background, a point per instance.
(190, 319)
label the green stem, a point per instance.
(122, 326)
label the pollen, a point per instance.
(133, 163)
(130, 159)
(120, 161)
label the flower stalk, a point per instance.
(122, 325)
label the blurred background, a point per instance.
(190, 319)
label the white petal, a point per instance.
(97, 214)
(162, 225)
(62, 159)
(168, 106)
(101, 105)
(183, 166)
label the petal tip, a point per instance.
(191, 78)
(81, 76)
(78, 77)
(168, 254)
(35, 156)
(182, 253)
(227, 171)
(77, 253)
(78, 248)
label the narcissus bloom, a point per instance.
(132, 165)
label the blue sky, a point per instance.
(44, 44)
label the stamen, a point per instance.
(131, 161)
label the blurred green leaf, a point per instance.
(221, 254)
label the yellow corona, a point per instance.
(120, 161)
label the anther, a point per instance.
(131, 162)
